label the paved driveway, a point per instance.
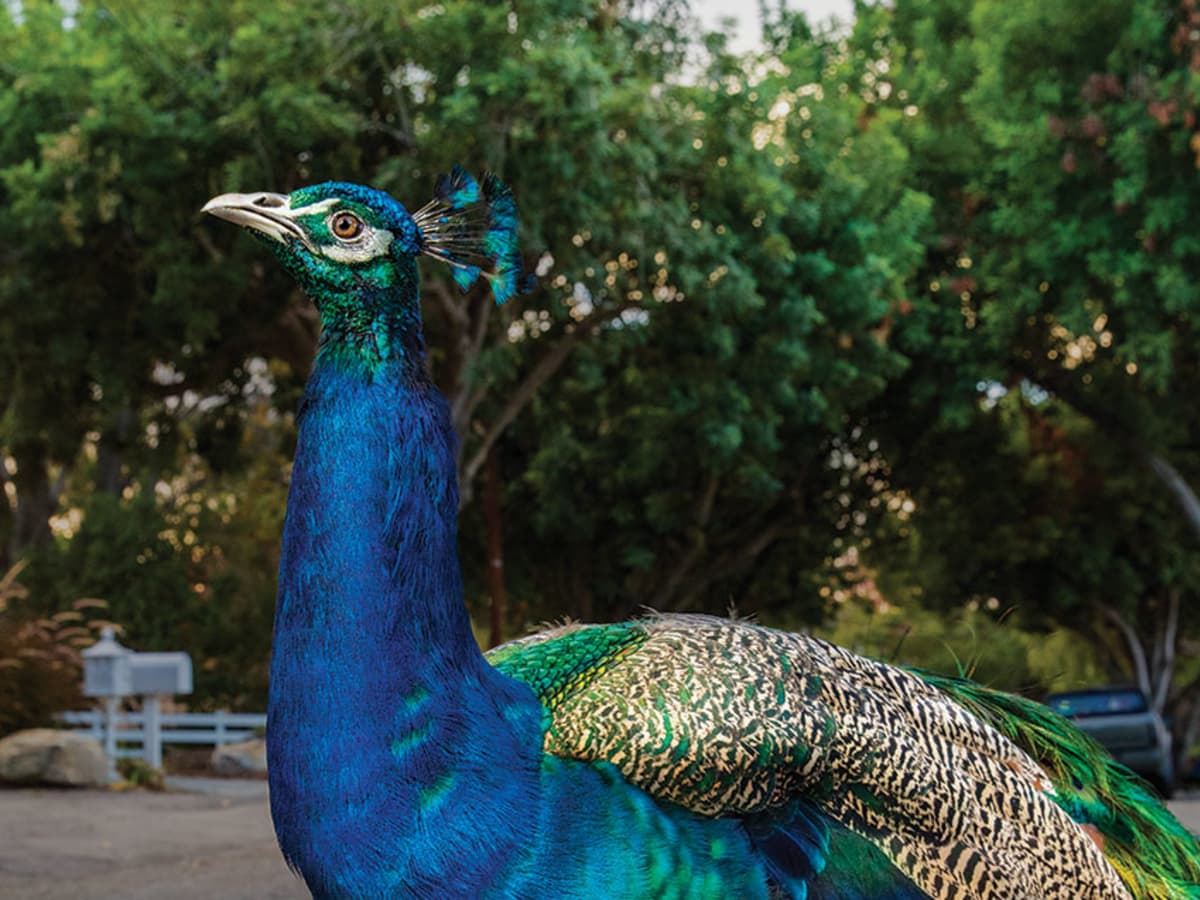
(88, 845)
(1187, 810)
(80, 845)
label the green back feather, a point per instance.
(1152, 852)
(555, 663)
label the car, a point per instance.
(1121, 720)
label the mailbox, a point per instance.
(161, 673)
(112, 672)
(106, 668)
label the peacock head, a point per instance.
(353, 249)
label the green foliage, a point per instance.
(776, 276)
(898, 314)
(152, 592)
(196, 573)
(1053, 364)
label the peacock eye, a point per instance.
(346, 226)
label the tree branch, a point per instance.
(1184, 496)
(1165, 653)
(1059, 385)
(737, 560)
(1137, 653)
(517, 401)
(5, 480)
(451, 377)
(466, 400)
(528, 388)
(452, 306)
(481, 324)
(470, 404)
(1187, 733)
(688, 560)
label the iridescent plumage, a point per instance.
(674, 756)
(728, 718)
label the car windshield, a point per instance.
(1097, 703)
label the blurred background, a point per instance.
(874, 320)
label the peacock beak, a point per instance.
(268, 214)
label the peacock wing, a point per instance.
(732, 719)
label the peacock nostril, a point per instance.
(271, 201)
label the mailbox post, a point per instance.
(156, 675)
(107, 674)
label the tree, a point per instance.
(683, 461)
(1056, 142)
(616, 158)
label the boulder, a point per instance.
(247, 758)
(47, 756)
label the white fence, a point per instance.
(175, 728)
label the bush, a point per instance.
(41, 670)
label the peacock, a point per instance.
(676, 756)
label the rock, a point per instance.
(247, 758)
(47, 756)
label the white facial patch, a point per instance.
(313, 209)
(367, 246)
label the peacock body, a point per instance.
(675, 756)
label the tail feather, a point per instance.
(474, 231)
(810, 856)
(1154, 855)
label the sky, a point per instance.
(746, 12)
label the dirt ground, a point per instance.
(87, 845)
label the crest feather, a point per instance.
(474, 231)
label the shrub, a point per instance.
(41, 670)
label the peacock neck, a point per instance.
(379, 696)
(370, 537)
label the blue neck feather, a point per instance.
(401, 764)
(379, 694)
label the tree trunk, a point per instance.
(1186, 731)
(1165, 640)
(35, 498)
(493, 520)
(111, 451)
(8, 515)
